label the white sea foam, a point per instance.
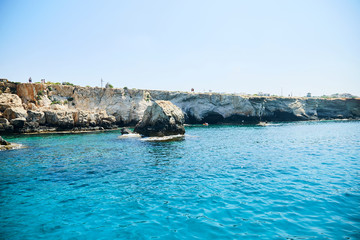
(164, 139)
(131, 135)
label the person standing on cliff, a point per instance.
(30, 80)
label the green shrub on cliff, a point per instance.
(70, 99)
(55, 102)
(108, 85)
(68, 83)
(39, 94)
(53, 83)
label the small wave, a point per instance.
(131, 135)
(12, 146)
(164, 139)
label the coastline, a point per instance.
(185, 125)
(49, 108)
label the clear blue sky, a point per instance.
(226, 46)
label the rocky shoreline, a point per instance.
(5, 145)
(42, 108)
(36, 113)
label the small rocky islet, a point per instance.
(161, 119)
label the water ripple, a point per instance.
(286, 181)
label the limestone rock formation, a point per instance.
(128, 105)
(34, 113)
(160, 119)
(36, 116)
(60, 107)
(16, 112)
(18, 122)
(8, 100)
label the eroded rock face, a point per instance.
(18, 122)
(36, 116)
(62, 119)
(8, 100)
(63, 107)
(42, 108)
(160, 119)
(16, 112)
(128, 105)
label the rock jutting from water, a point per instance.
(160, 119)
(125, 131)
(5, 145)
(3, 142)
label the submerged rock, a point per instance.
(162, 118)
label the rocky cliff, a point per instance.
(160, 119)
(26, 107)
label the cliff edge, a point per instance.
(26, 107)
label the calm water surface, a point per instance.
(286, 181)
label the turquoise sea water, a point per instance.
(286, 181)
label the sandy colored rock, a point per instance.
(15, 112)
(29, 92)
(8, 100)
(160, 119)
(74, 107)
(36, 116)
(60, 118)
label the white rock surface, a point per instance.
(162, 118)
(87, 106)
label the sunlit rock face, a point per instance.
(63, 107)
(232, 108)
(162, 118)
(42, 108)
